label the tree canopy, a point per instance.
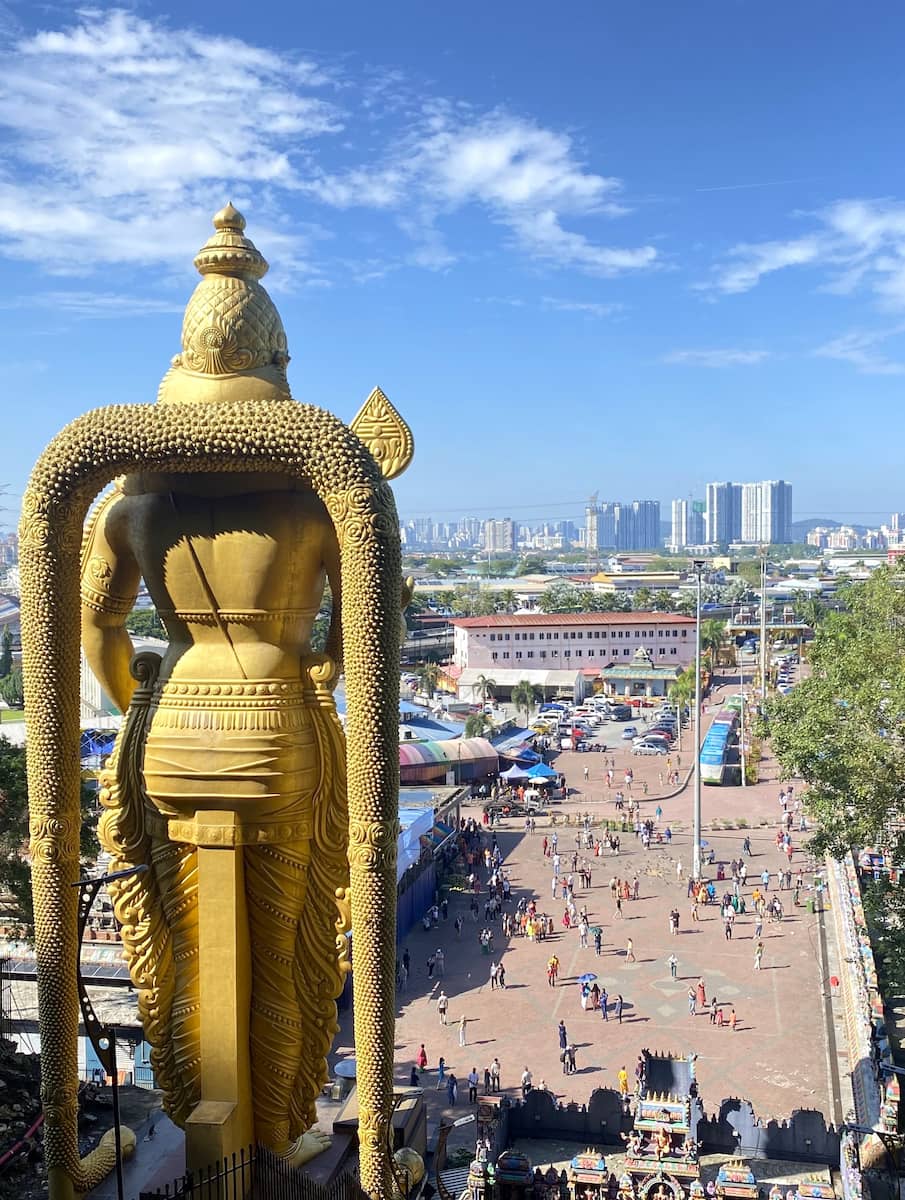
(843, 728)
(15, 871)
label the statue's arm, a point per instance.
(109, 586)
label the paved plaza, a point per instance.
(777, 1057)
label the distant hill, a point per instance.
(801, 529)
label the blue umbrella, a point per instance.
(588, 977)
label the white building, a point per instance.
(534, 645)
(499, 536)
(687, 525)
(723, 513)
(766, 512)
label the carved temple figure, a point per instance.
(228, 779)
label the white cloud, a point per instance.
(528, 178)
(588, 307)
(716, 358)
(123, 132)
(856, 243)
(859, 348)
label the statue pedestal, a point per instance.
(222, 1123)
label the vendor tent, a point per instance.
(515, 774)
(542, 771)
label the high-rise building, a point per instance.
(687, 524)
(767, 512)
(601, 525)
(645, 520)
(499, 535)
(723, 513)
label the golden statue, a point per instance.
(228, 780)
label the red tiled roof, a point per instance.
(588, 618)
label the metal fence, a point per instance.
(254, 1174)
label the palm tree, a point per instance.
(486, 687)
(525, 695)
(681, 693)
(811, 611)
(476, 724)
(641, 601)
(712, 633)
(428, 674)
(507, 600)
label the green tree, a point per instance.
(811, 611)
(642, 599)
(506, 601)
(663, 602)
(526, 695)
(6, 652)
(531, 564)
(11, 688)
(687, 604)
(681, 693)
(563, 597)
(484, 687)
(428, 673)
(843, 728)
(477, 724)
(15, 871)
(713, 633)
(144, 622)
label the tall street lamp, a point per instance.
(697, 567)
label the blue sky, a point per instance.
(624, 248)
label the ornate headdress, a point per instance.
(233, 342)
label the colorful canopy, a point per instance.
(468, 758)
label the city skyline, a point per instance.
(555, 271)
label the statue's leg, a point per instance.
(276, 881)
(176, 869)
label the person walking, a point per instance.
(463, 1027)
(440, 960)
(622, 1078)
(526, 1083)
(598, 940)
(758, 955)
(673, 966)
(443, 1007)
(552, 970)
(473, 1086)
(563, 1036)
(493, 976)
(692, 1002)
(618, 1006)
(441, 1073)
(733, 1020)
(604, 1001)
(452, 1089)
(713, 1007)
(422, 1058)
(570, 1059)
(501, 977)
(629, 950)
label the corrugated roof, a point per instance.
(588, 618)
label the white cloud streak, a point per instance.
(859, 348)
(122, 131)
(716, 359)
(857, 244)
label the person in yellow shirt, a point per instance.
(623, 1082)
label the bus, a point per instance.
(721, 737)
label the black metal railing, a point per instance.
(254, 1174)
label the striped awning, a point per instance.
(423, 761)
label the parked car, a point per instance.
(658, 731)
(650, 748)
(629, 732)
